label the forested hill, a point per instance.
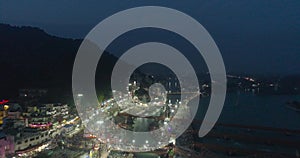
(31, 58)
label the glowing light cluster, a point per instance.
(40, 125)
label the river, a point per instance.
(256, 110)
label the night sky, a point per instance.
(254, 36)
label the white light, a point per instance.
(80, 95)
(100, 122)
(147, 141)
(133, 141)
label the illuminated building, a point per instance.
(13, 114)
(3, 110)
(37, 120)
(46, 115)
(6, 145)
(30, 138)
(2, 116)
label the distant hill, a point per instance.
(31, 58)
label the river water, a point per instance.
(256, 110)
